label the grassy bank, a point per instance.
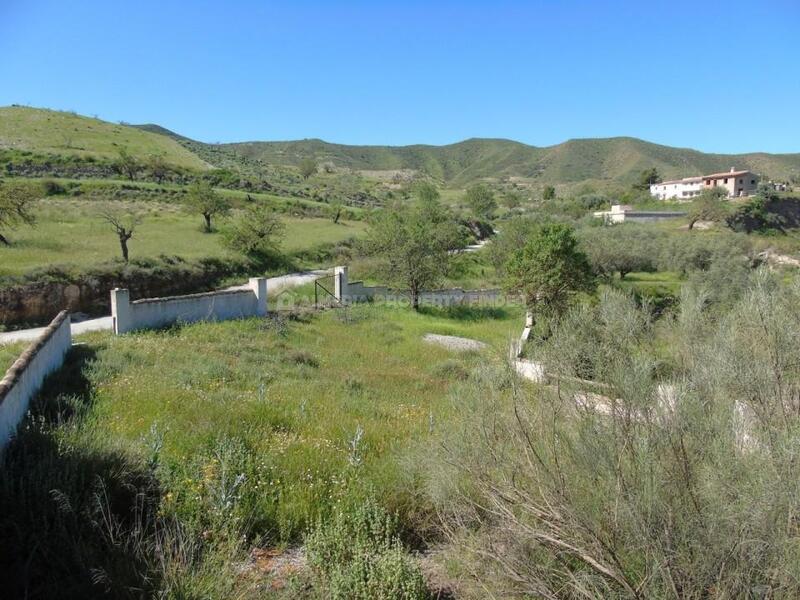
(71, 232)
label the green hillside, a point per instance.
(64, 133)
(613, 159)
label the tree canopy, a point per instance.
(481, 202)
(256, 232)
(549, 270)
(203, 199)
(414, 244)
(15, 206)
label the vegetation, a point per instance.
(480, 200)
(201, 198)
(549, 270)
(124, 226)
(415, 244)
(711, 205)
(15, 207)
(256, 232)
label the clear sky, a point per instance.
(717, 76)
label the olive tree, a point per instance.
(710, 205)
(256, 232)
(414, 244)
(202, 198)
(308, 166)
(15, 207)
(480, 200)
(549, 270)
(124, 226)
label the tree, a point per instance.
(549, 193)
(710, 205)
(203, 199)
(308, 166)
(336, 207)
(481, 201)
(549, 270)
(255, 233)
(15, 206)
(157, 166)
(124, 226)
(426, 191)
(620, 249)
(414, 244)
(126, 164)
(647, 178)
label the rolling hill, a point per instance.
(608, 160)
(65, 133)
(617, 160)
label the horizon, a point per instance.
(382, 74)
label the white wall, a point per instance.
(25, 377)
(355, 291)
(151, 313)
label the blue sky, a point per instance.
(717, 76)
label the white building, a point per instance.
(678, 189)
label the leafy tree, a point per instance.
(256, 233)
(513, 236)
(308, 166)
(203, 199)
(426, 191)
(549, 193)
(124, 225)
(414, 243)
(15, 206)
(158, 167)
(127, 164)
(620, 249)
(647, 178)
(549, 270)
(481, 202)
(710, 205)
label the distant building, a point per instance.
(622, 213)
(736, 183)
(680, 189)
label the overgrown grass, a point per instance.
(246, 430)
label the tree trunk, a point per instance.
(414, 298)
(691, 224)
(3, 240)
(207, 217)
(123, 244)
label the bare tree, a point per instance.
(124, 226)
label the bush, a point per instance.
(358, 555)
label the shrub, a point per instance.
(357, 555)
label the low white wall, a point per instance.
(25, 377)
(355, 291)
(151, 313)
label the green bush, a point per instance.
(357, 555)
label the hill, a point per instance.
(67, 134)
(607, 160)
(617, 160)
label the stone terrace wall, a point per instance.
(151, 313)
(25, 377)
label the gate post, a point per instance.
(340, 284)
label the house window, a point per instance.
(726, 180)
(741, 181)
(752, 182)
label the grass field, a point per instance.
(252, 429)
(70, 232)
(57, 132)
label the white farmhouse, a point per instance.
(679, 189)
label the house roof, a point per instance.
(684, 180)
(725, 174)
